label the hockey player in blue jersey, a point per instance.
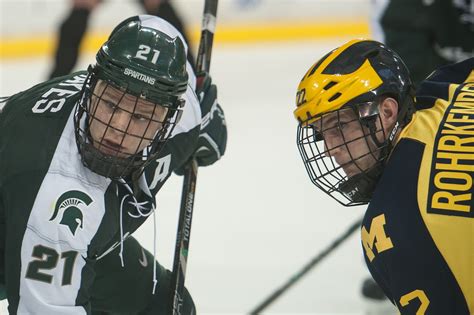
(366, 138)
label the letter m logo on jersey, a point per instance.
(68, 204)
(375, 237)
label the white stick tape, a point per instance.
(209, 23)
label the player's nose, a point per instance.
(120, 120)
(332, 146)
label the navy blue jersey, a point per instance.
(418, 231)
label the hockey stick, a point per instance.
(190, 174)
(271, 298)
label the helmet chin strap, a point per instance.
(403, 117)
(372, 126)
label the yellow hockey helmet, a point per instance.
(357, 71)
(357, 76)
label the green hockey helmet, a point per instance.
(146, 61)
(140, 69)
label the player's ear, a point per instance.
(388, 110)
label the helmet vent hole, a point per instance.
(335, 97)
(330, 85)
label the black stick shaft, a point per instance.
(208, 28)
(297, 276)
(190, 176)
(183, 237)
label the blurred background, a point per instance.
(257, 217)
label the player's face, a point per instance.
(346, 141)
(121, 124)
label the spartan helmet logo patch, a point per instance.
(69, 204)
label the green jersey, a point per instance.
(57, 217)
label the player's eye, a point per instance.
(140, 117)
(342, 125)
(111, 105)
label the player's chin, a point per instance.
(354, 169)
(111, 152)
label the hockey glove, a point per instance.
(213, 136)
(212, 139)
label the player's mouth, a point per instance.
(112, 148)
(351, 169)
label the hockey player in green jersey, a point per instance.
(81, 160)
(365, 138)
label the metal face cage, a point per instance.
(342, 154)
(118, 133)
